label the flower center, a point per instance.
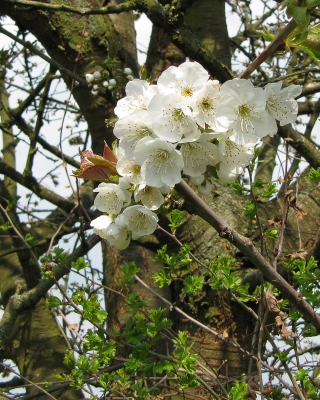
(162, 156)
(136, 169)
(178, 114)
(187, 91)
(143, 131)
(245, 110)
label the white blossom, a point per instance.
(139, 220)
(172, 117)
(100, 225)
(281, 104)
(205, 188)
(161, 163)
(111, 198)
(242, 107)
(233, 159)
(127, 71)
(131, 129)
(207, 100)
(197, 180)
(130, 170)
(197, 155)
(125, 184)
(118, 235)
(184, 80)
(139, 93)
(151, 197)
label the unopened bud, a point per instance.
(97, 75)
(89, 78)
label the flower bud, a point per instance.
(97, 75)
(89, 78)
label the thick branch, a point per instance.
(126, 6)
(302, 145)
(197, 206)
(180, 36)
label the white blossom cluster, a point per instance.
(180, 126)
(95, 81)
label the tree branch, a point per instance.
(20, 302)
(32, 184)
(302, 145)
(180, 36)
(49, 60)
(269, 50)
(197, 206)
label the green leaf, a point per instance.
(310, 331)
(135, 302)
(79, 264)
(13, 202)
(31, 240)
(5, 226)
(250, 209)
(283, 355)
(192, 284)
(301, 374)
(183, 353)
(143, 74)
(53, 301)
(314, 175)
(79, 297)
(239, 391)
(272, 233)
(128, 271)
(176, 219)
(298, 13)
(308, 41)
(69, 358)
(92, 311)
(161, 279)
(257, 184)
(270, 190)
(266, 34)
(163, 257)
(237, 187)
(158, 322)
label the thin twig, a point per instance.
(39, 53)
